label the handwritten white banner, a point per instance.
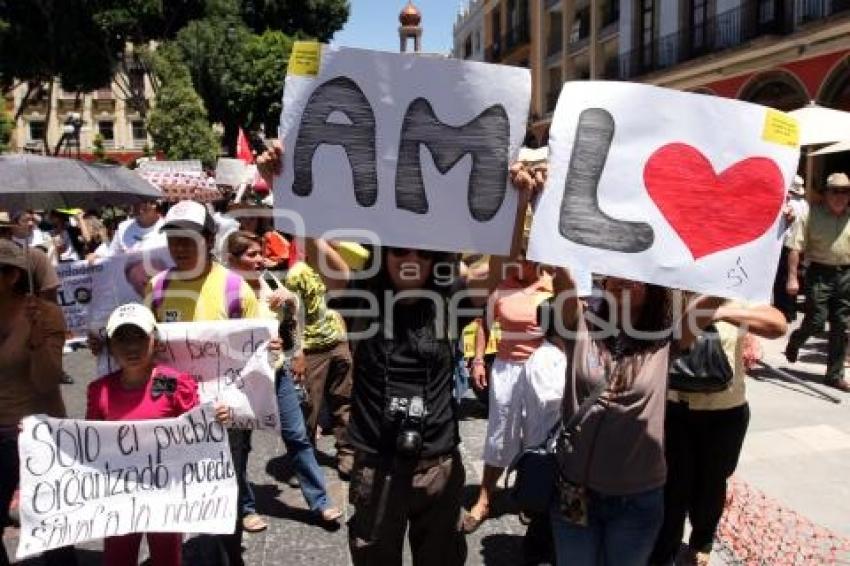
(230, 361)
(414, 149)
(667, 187)
(85, 480)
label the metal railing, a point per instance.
(728, 29)
(752, 19)
(552, 3)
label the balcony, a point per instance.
(810, 10)
(754, 18)
(552, 3)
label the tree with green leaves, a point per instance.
(237, 73)
(178, 122)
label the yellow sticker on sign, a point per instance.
(305, 58)
(781, 128)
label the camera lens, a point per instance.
(409, 442)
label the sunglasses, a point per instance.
(402, 252)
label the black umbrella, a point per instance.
(37, 182)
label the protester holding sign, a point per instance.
(200, 289)
(617, 353)
(408, 473)
(32, 333)
(245, 256)
(140, 390)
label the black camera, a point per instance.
(408, 415)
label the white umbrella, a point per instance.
(834, 148)
(820, 125)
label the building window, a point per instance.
(581, 25)
(646, 37)
(699, 20)
(106, 129)
(467, 48)
(477, 45)
(36, 130)
(556, 33)
(139, 130)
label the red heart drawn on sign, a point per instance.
(712, 212)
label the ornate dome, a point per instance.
(410, 15)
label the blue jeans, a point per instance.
(240, 448)
(298, 447)
(621, 530)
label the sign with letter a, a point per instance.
(410, 150)
(667, 187)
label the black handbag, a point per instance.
(536, 468)
(704, 368)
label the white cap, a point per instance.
(188, 215)
(133, 314)
(798, 187)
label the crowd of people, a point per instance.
(637, 453)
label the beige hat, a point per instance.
(837, 180)
(12, 254)
(133, 314)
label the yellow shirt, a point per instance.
(200, 299)
(732, 341)
(823, 237)
(469, 333)
(323, 327)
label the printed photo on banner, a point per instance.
(414, 149)
(230, 361)
(667, 187)
(122, 280)
(75, 293)
(86, 480)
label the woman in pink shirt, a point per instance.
(514, 307)
(140, 390)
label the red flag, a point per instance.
(243, 148)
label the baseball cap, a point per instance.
(188, 215)
(133, 314)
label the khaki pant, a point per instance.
(329, 379)
(389, 498)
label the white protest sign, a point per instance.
(186, 167)
(230, 361)
(75, 294)
(122, 280)
(84, 480)
(667, 187)
(415, 149)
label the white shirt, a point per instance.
(69, 252)
(541, 391)
(801, 210)
(130, 236)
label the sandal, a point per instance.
(329, 515)
(253, 523)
